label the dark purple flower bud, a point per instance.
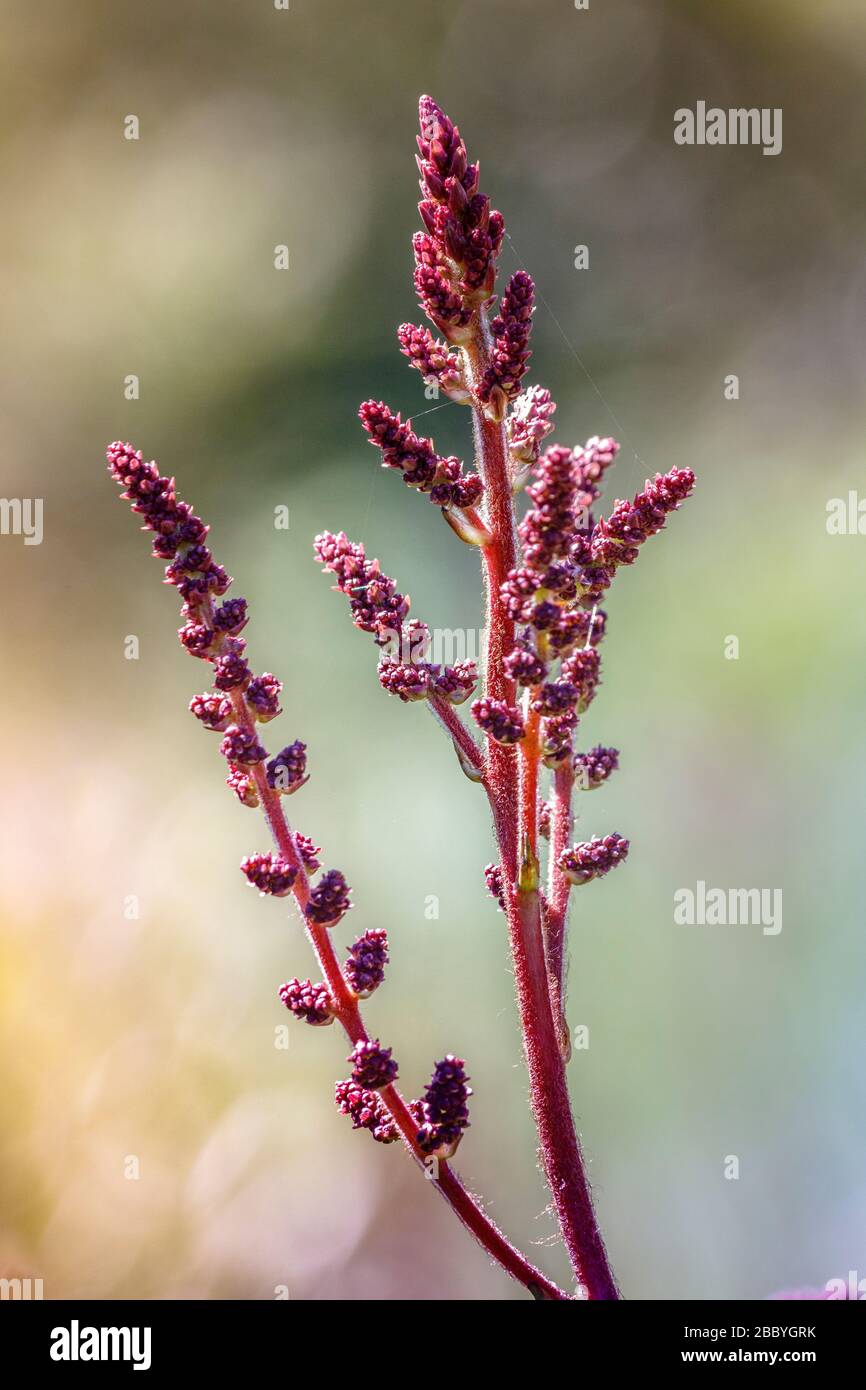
(467, 491)
(582, 669)
(368, 1112)
(214, 711)
(493, 879)
(194, 559)
(556, 738)
(454, 212)
(591, 462)
(243, 786)
(401, 448)
(524, 665)
(287, 771)
(518, 591)
(329, 900)
(152, 497)
(595, 767)
(442, 304)
(193, 588)
(443, 153)
(270, 873)
(372, 1065)
(263, 697)
(434, 360)
(163, 547)
(547, 529)
(197, 639)
(309, 1001)
(445, 1107)
(231, 616)
(308, 852)
(503, 722)
(190, 528)
(544, 814)
(409, 682)
(511, 329)
(218, 580)
(242, 746)
(231, 671)
(555, 697)
(365, 967)
(376, 605)
(593, 859)
(594, 581)
(617, 538)
(456, 683)
(575, 628)
(544, 616)
(364, 1107)
(559, 579)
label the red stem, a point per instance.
(559, 888)
(469, 753)
(560, 1150)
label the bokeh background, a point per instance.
(155, 1037)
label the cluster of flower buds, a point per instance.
(593, 858)
(418, 680)
(367, 1111)
(241, 701)
(378, 608)
(373, 1067)
(442, 1116)
(510, 328)
(594, 768)
(434, 279)
(568, 561)
(288, 770)
(493, 879)
(446, 1113)
(617, 538)
(461, 226)
(329, 900)
(529, 422)
(270, 873)
(376, 605)
(422, 468)
(365, 966)
(499, 720)
(438, 365)
(311, 1002)
(309, 852)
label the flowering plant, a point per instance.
(544, 578)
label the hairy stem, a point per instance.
(468, 752)
(515, 819)
(559, 888)
(560, 1150)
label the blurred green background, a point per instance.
(155, 1037)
